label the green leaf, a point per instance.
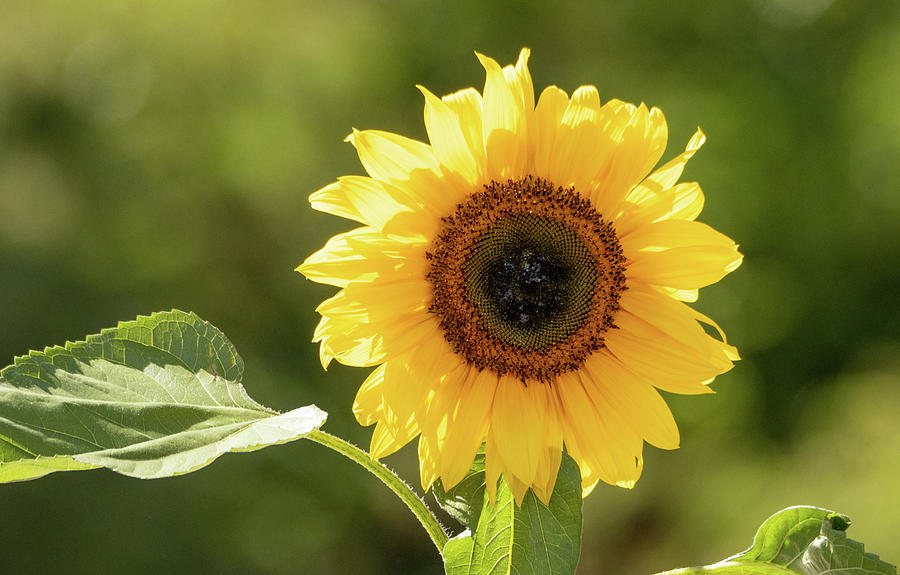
(532, 539)
(805, 540)
(155, 397)
(465, 500)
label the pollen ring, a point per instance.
(526, 279)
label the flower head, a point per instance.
(520, 284)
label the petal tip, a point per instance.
(524, 55)
(697, 140)
(351, 137)
(325, 356)
(487, 62)
(737, 261)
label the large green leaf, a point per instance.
(154, 397)
(534, 539)
(805, 540)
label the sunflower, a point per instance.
(520, 284)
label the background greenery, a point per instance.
(159, 155)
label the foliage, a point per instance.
(505, 538)
(802, 540)
(154, 397)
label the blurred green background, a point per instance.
(159, 155)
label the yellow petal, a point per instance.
(681, 202)
(412, 376)
(447, 138)
(666, 176)
(386, 439)
(519, 79)
(387, 156)
(402, 394)
(664, 362)
(427, 463)
(503, 106)
(360, 353)
(730, 351)
(544, 126)
(362, 199)
(658, 236)
(505, 157)
(588, 483)
(364, 255)
(493, 467)
(548, 470)
(687, 202)
(630, 151)
(685, 267)
(468, 427)
(518, 488)
(435, 413)
(326, 355)
(666, 314)
(517, 424)
(689, 295)
(408, 380)
(503, 124)
(577, 141)
(467, 105)
(609, 452)
(439, 195)
(367, 406)
(657, 197)
(679, 322)
(551, 454)
(394, 326)
(590, 474)
(350, 344)
(609, 383)
(390, 299)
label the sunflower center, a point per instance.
(527, 288)
(526, 279)
(531, 279)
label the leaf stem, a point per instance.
(389, 478)
(732, 567)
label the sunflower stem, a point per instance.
(389, 478)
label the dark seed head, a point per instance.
(526, 279)
(527, 287)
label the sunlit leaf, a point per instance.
(534, 539)
(805, 540)
(465, 500)
(154, 397)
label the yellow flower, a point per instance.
(519, 283)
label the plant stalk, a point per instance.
(389, 478)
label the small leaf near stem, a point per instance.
(799, 541)
(389, 478)
(465, 500)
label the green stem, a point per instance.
(389, 478)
